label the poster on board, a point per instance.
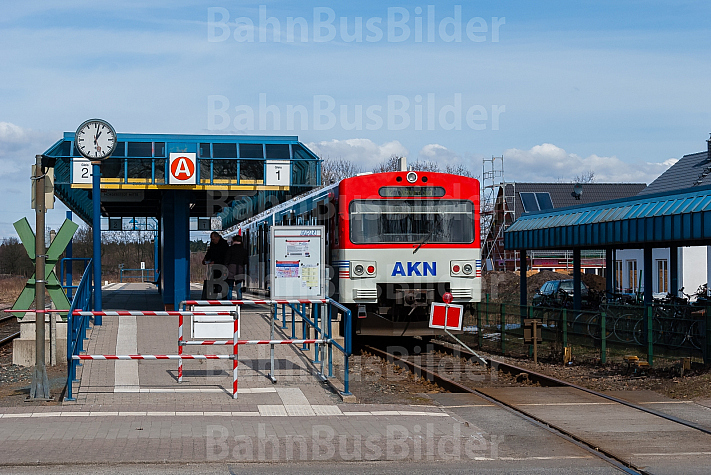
(297, 262)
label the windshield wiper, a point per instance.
(423, 242)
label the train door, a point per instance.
(267, 256)
(260, 250)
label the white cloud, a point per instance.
(440, 154)
(547, 162)
(18, 147)
(362, 152)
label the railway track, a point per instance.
(428, 365)
(8, 329)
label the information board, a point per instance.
(297, 262)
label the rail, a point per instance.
(77, 326)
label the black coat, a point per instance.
(217, 252)
(237, 254)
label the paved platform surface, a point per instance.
(137, 412)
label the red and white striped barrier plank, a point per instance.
(149, 313)
(180, 349)
(152, 357)
(252, 302)
(235, 360)
(9, 310)
(250, 342)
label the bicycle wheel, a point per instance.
(669, 332)
(594, 329)
(624, 328)
(578, 323)
(639, 334)
(695, 335)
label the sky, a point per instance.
(558, 88)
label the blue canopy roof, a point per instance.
(235, 164)
(676, 218)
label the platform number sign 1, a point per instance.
(278, 173)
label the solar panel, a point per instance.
(529, 201)
(544, 200)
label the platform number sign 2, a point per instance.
(81, 170)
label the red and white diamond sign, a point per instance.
(446, 316)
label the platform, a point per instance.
(207, 384)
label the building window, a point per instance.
(632, 278)
(662, 276)
(618, 276)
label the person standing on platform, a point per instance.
(216, 261)
(236, 266)
(217, 252)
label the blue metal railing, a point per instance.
(77, 326)
(67, 286)
(325, 331)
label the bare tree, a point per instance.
(392, 164)
(425, 166)
(14, 259)
(586, 177)
(459, 170)
(336, 169)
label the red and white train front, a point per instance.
(403, 240)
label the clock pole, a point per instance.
(96, 234)
(96, 140)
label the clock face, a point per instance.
(95, 139)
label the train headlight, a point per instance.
(363, 269)
(462, 269)
(411, 177)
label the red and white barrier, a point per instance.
(252, 342)
(235, 361)
(180, 348)
(148, 313)
(152, 357)
(251, 302)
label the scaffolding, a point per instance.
(498, 210)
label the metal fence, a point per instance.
(656, 330)
(145, 275)
(78, 325)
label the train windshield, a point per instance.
(390, 221)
